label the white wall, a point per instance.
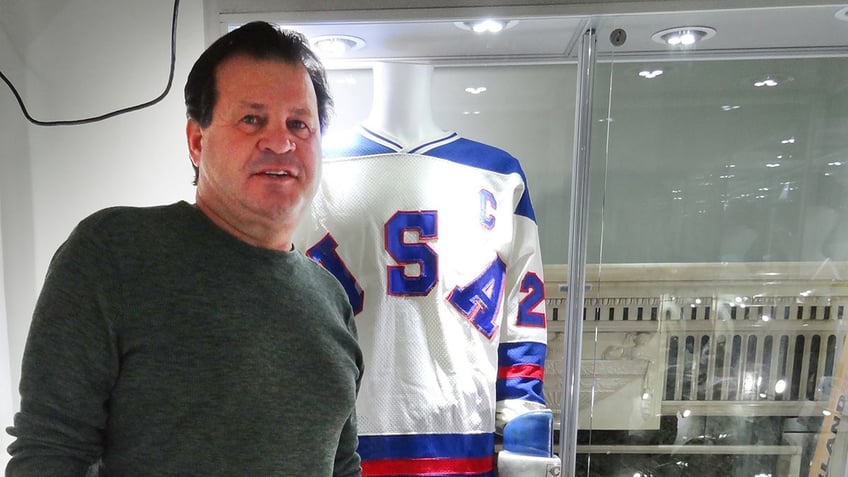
(84, 59)
(17, 286)
(6, 404)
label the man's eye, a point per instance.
(299, 128)
(251, 119)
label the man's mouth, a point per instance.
(276, 173)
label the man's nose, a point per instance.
(277, 138)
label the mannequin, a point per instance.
(402, 106)
(434, 239)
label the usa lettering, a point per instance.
(415, 272)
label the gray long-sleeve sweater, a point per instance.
(163, 346)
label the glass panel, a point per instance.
(714, 333)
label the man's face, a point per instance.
(260, 157)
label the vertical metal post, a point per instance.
(577, 234)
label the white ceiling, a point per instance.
(785, 30)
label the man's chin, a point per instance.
(286, 213)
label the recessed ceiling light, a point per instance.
(486, 26)
(477, 90)
(771, 80)
(650, 74)
(767, 82)
(336, 45)
(683, 36)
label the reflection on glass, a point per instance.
(718, 229)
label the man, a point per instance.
(194, 339)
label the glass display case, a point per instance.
(716, 273)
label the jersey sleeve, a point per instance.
(523, 343)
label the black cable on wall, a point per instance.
(72, 122)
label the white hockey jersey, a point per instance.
(438, 250)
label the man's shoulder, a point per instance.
(133, 223)
(133, 216)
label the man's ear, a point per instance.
(194, 136)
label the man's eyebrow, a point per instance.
(252, 105)
(301, 111)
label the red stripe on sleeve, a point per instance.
(531, 371)
(376, 468)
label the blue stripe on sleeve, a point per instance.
(417, 446)
(520, 388)
(523, 388)
(524, 352)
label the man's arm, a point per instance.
(347, 459)
(68, 366)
